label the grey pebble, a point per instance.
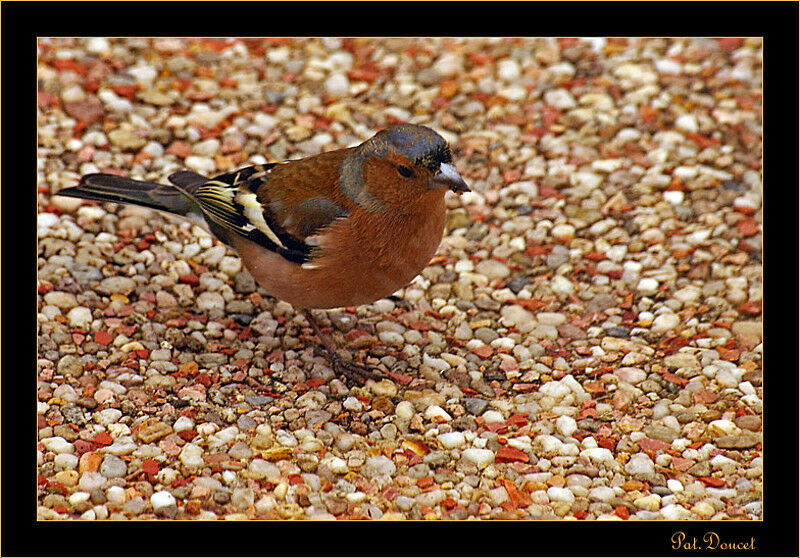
(475, 405)
(113, 467)
(70, 365)
(618, 331)
(244, 283)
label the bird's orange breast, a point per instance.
(361, 259)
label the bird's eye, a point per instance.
(405, 171)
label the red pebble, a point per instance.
(670, 377)
(622, 512)
(204, 379)
(189, 279)
(125, 90)
(150, 467)
(449, 503)
(752, 307)
(747, 227)
(506, 454)
(712, 481)
(103, 439)
(83, 446)
(188, 435)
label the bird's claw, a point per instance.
(349, 369)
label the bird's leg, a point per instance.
(400, 302)
(341, 365)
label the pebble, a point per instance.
(162, 500)
(640, 466)
(665, 322)
(492, 269)
(192, 456)
(480, 457)
(200, 164)
(337, 85)
(557, 494)
(566, 426)
(116, 285)
(630, 374)
(452, 440)
(378, 465)
(113, 467)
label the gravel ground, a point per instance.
(585, 345)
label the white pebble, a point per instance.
(162, 499)
(451, 440)
(647, 286)
(687, 123)
(337, 85)
(192, 456)
(675, 485)
(673, 196)
(665, 322)
(200, 164)
(566, 426)
(435, 411)
(57, 444)
(557, 494)
(480, 457)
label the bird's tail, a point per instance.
(118, 189)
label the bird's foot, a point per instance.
(347, 368)
(400, 302)
(327, 349)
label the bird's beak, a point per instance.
(447, 177)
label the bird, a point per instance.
(341, 228)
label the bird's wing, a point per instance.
(247, 203)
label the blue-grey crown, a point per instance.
(421, 145)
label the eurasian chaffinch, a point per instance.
(342, 228)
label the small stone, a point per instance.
(79, 317)
(480, 457)
(126, 139)
(116, 285)
(665, 322)
(65, 301)
(164, 503)
(517, 316)
(740, 441)
(113, 467)
(630, 374)
(155, 97)
(242, 498)
(748, 422)
(647, 286)
(70, 365)
(452, 440)
(661, 432)
(687, 123)
(557, 494)
(378, 465)
(57, 444)
(192, 456)
(492, 269)
(200, 164)
(566, 426)
(640, 466)
(337, 85)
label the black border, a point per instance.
(777, 535)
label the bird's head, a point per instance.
(402, 164)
